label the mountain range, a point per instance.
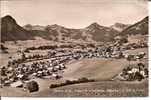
(11, 31)
(119, 26)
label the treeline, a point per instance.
(58, 46)
(70, 82)
(3, 48)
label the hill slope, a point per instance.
(10, 30)
(140, 27)
(97, 68)
(119, 26)
(99, 33)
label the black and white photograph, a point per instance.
(74, 48)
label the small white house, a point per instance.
(134, 70)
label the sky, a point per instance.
(74, 13)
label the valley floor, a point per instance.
(101, 69)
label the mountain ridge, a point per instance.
(140, 27)
(11, 31)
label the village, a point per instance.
(52, 65)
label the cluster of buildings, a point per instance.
(133, 72)
(54, 65)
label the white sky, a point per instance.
(75, 13)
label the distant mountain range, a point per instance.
(93, 32)
(11, 31)
(120, 27)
